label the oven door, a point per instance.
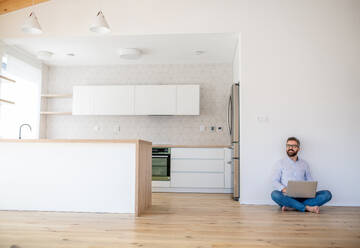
(161, 167)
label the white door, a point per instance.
(188, 100)
(155, 100)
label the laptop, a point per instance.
(301, 189)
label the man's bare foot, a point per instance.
(287, 209)
(313, 209)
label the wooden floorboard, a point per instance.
(184, 220)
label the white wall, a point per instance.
(300, 68)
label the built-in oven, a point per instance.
(161, 164)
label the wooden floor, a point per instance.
(184, 220)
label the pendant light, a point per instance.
(100, 25)
(32, 25)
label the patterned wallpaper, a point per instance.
(215, 81)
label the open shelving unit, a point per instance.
(56, 96)
(3, 78)
(6, 101)
(55, 113)
(7, 79)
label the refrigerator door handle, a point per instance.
(229, 116)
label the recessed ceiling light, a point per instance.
(199, 52)
(129, 53)
(44, 55)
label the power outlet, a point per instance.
(212, 129)
(117, 129)
(262, 118)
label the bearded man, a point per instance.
(292, 168)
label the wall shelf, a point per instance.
(49, 96)
(56, 96)
(6, 101)
(55, 113)
(8, 79)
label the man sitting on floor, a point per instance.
(292, 168)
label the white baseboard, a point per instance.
(327, 204)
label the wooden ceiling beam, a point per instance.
(7, 6)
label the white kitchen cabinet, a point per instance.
(197, 153)
(103, 100)
(161, 184)
(197, 180)
(200, 170)
(197, 165)
(114, 100)
(204, 170)
(82, 100)
(155, 100)
(188, 100)
(136, 100)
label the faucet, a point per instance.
(21, 127)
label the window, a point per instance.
(26, 95)
(4, 63)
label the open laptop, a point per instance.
(301, 189)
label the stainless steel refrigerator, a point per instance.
(234, 131)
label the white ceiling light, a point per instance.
(44, 55)
(199, 52)
(100, 25)
(31, 25)
(129, 53)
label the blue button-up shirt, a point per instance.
(288, 170)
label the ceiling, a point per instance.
(7, 6)
(156, 49)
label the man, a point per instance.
(292, 168)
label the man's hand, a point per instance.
(283, 190)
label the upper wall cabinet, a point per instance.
(103, 100)
(188, 100)
(136, 100)
(155, 100)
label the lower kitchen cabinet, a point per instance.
(197, 180)
(197, 165)
(203, 170)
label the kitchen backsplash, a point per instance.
(214, 79)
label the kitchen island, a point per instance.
(107, 176)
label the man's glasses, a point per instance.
(292, 146)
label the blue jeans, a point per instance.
(321, 198)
